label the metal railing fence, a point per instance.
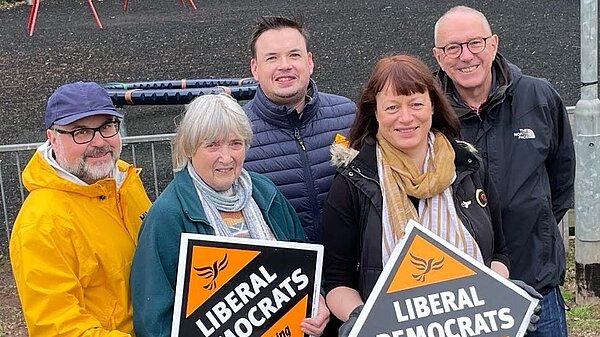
(150, 152)
(145, 151)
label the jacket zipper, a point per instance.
(357, 170)
(299, 138)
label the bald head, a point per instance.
(459, 12)
(474, 45)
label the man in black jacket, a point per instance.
(520, 126)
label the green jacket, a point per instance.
(178, 210)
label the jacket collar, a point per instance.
(365, 160)
(465, 158)
(47, 152)
(39, 173)
(504, 76)
(188, 197)
(284, 116)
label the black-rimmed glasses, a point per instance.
(475, 46)
(86, 135)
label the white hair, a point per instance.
(208, 118)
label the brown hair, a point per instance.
(276, 22)
(407, 75)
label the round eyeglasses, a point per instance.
(475, 46)
(86, 135)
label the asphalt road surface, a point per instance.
(162, 40)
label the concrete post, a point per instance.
(587, 152)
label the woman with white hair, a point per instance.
(213, 194)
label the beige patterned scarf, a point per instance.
(400, 178)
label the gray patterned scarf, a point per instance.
(241, 199)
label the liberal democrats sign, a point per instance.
(429, 288)
(233, 287)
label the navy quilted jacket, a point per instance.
(293, 150)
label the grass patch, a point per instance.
(584, 318)
(568, 295)
(581, 312)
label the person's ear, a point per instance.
(438, 55)
(253, 68)
(51, 136)
(493, 43)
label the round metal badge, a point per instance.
(481, 197)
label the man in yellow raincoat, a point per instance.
(73, 240)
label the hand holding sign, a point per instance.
(315, 326)
(535, 316)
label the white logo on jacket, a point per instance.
(525, 134)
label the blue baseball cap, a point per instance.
(74, 101)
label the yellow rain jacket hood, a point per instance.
(71, 248)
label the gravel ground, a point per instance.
(160, 40)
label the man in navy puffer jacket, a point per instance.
(293, 123)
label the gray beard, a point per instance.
(88, 173)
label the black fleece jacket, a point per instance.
(523, 134)
(352, 218)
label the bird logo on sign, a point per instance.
(424, 266)
(211, 272)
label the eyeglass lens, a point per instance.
(475, 46)
(86, 135)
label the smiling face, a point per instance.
(468, 71)
(220, 162)
(89, 162)
(405, 121)
(282, 66)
